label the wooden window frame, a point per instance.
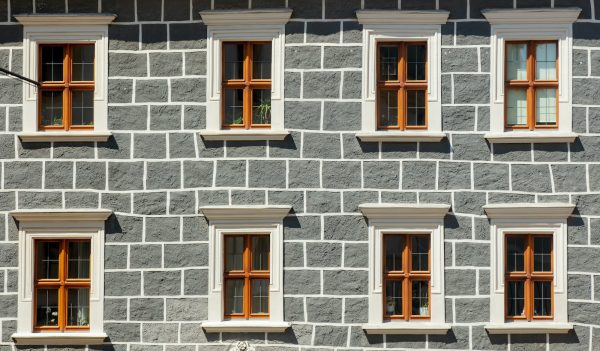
(529, 277)
(247, 274)
(63, 284)
(531, 85)
(66, 86)
(407, 276)
(402, 85)
(247, 83)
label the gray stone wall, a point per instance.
(156, 171)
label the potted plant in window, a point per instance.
(424, 309)
(390, 306)
(264, 112)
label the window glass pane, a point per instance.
(394, 245)
(234, 106)
(515, 254)
(52, 64)
(234, 255)
(261, 61)
(388, 108)
(417, 57)
(515, 298)
(545, 106)
(78, 307)
(261, 106)
(545, 61)
(516, 108)
(82, 111)
(415, 107)
(393, 297)
(47, 259)
(516, 61)
(46, 307)
(83, 63)
(420, 253)
(52, 108)
(234, 296)
(542, 298)
(260, 296)
(260, 253)
(542, 254)
(388, 62)
(79, 259)
(420, 298)
(234, 61)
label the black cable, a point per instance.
(16, 75)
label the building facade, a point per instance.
(184, 175)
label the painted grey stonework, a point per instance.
(156, 171)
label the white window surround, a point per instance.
(63, 224)
(528, 218)
(245, 25)
(406, 219)
(403, 26)
(531, 24)
(228, 220)
(80, 28)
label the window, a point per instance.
(530, 78)
(68, 55)
(401, 76)
(246, 276)
(67, 90)
(529, 268)
(531, 85)
(245, 85)
(407, 276)
(245, 269)
(406, 268)
(62, 285)
(61, 277)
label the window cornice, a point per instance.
(246, 17)
(265, 213)
(529, 210)
(392, 211)
(402, 17)
(61, 215)
(565, 15)
(32, 19)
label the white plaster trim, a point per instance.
(70, 338)
(63, 224)
(63, 20)
(529, 328)
(243, 17)
(406, 219)
(558, 211)
(248, 134)
(249, 326)
(411, 328)
(403, 136)
(267, 213)
(567, 15)
(531, 137)
(64, 136)
(402, 17)
(375, 31)
(76, 29)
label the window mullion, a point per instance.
(248, 88)
(401, 92)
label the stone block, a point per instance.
(162, 229)
(125, 118)
(122, 283)
(188, 90)
(341, 115)
(155, 90)
(327, 335)
(186, 309)
(353, 228)
(322, 84)
(342, 57)
(185, 255)
(267, 174)
(125, 175)
(302, 282)
(418, 175)
(127, 64)
(460, 60)
(344, 282)
(302, 228)
(145, 309)
(321, 145)
(162, 283)
(531, 178)
(324, 310)
(454, 175)
(472, 254)
(323, 32)
(323, 254)
(303, 57)
(150, 145)
(145, 256)
(458, 118)
(120, 90)
(163, 175)
(471, 88)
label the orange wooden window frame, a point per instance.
(62, 284)
(66, 86)
(407, 276)
(247, 274)
(401, 86)
(531, 85)
(529, 276)
(248, 83)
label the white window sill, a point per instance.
(529, 328)
(408, 328)
(244, 135)
(403, 136)
(71, 136)
(531, 137)
(71, 338)
(245, 326)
